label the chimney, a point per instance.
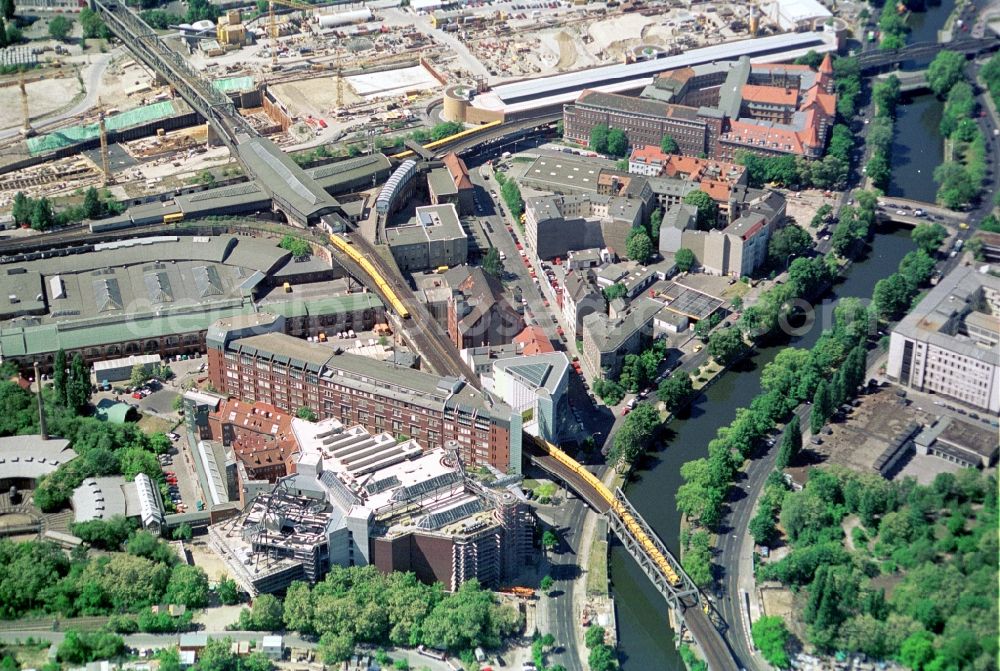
(41, 405)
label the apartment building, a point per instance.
(290, 373)
(433, 238)
(950, 343)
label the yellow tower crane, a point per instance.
(26, 129)
(105, 163)
(272, 27)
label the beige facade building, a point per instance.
(950, 343)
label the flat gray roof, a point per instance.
(955, 296)
(432, 222)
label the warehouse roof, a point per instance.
(564, 88)
(30, 457)
(288, 183)
(331, 175)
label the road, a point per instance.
(91, 90)
(560, 618)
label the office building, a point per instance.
(359, 498)
(434, 238)
(949, 344)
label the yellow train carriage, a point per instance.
(469, 132)
(369, 269)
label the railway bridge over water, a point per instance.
(665, 572)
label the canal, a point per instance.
(917, 147)
(646, 641)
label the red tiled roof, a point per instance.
(765, 137)
(772, 95)
(649, 154)
(695, 168)
(534, 340)
(718, 191)
(262, 434)
(826, 67)
(459, 173)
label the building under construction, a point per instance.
(359, 499)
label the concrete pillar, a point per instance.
(212, 137)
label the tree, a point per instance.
(892, 296)
(675, 391)
(84, 647)
(770, 635)
(609, 391)
(684, 259)
(668, 145)
(787, 243)
(92, 24)
(59, 27)
(821, 407)
(617, 142)
(697, 561)
(228, 591)
(639, 247)
(335, 648)
(708, 211)
(602, 658)
(762, 527)
(492, 265)
(299, 248)
(616, 290)
(594, 636)
(791, 443)
(944, 71)
(42, 217)
(727, 345)
(306, 413)
(917, 651)
(546, 583)
(7, 9)
(550, 541)
(59, 376)
(299, 608)
(655, 222)
(917, 267)
(266, 614)
(188, 585)
(929, 237)
(21, 209)
(3, 43)
(512, 196)
(182, 532)
(138, 376)
(599, 138)
(444, 129)
(92, 201)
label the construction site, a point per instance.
(346, 78)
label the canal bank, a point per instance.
(645, 639)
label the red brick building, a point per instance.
(290, 373)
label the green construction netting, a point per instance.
(232, 84)
(73, 134)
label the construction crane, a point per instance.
(272, 27)
(105, 163)
(26, 130)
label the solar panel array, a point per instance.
(446, 517)
(379, 486)
(338, 490)
(426, 486)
